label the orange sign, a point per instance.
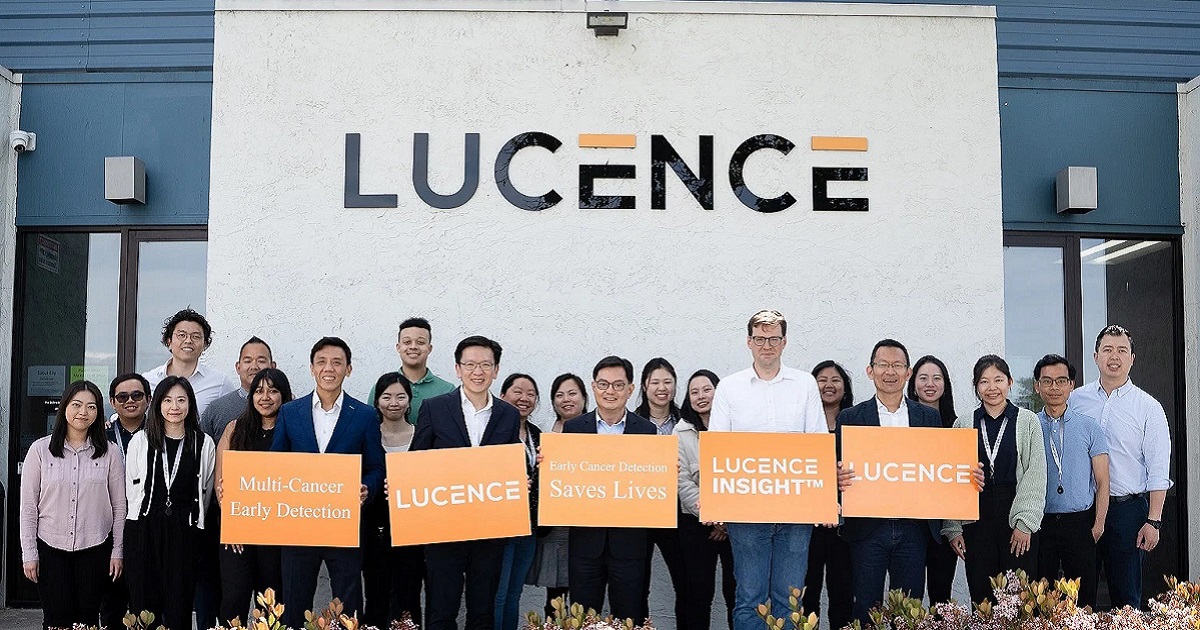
(453, 494)
(301, 499)
(594, 480)
(910, 472)
(768, 477)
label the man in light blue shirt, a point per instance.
(1139, 443)
(1076, 481)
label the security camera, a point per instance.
(22, 141)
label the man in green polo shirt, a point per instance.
(414, 345)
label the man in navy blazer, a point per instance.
(887, 547)
(467, 417)
(612, 557)
(328, 421)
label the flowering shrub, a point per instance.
(576, 618)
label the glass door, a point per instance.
(89, 305)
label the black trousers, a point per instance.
(700, 556)
(160, 568)
(1066, 541)
(392, 578)
(208, 569)
(621, 577)
(72, 584)
(116, 603)
(301, 565)
(450, 569)
(829, 562)
(989, 551)
(245, 574)
(668, 544)
(941, 563)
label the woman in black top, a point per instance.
(168, 477)
(521, 391)
(250, 569)
(930, 385)
(828, 554)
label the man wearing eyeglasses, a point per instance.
(187, 335)
(609, 558)
(129, 395)
(1076, 483)
(769, 558)
(469, 416)
(1139, 463)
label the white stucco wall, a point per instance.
(10, 108)
(1189, 212)
(563, 287)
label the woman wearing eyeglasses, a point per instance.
(930, 385)
(72, 495)
(1014, 493)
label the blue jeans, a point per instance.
(1118, 550)
(518, 557)
(768, 561)
(896, 548)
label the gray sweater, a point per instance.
(1030, 501)
(221, 412)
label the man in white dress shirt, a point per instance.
(187, 335)
(769, 558)
(1139, 464)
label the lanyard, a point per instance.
(530, 451)
(169, 475)
(1058, 450)
(992, 450)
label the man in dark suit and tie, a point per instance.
(328, 421)
(887, 547)
(467, 417)
(609, 556)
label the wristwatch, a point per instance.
(1155, 524)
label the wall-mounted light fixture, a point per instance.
(124, 180)
(606, 24)
(1076, 189)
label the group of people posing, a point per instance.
(126, 518)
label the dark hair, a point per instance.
(386, 381)
(254, 340)
(848, 395)
(186, 315)
(889, 343)
(248, 425)
(132, 376)
(95, 432)
(508, 382)
(1053, 359)
(477, 341)
(558, 383)
(1113, 330)
(986, 361)
(946, 402)
(685, 411)
(657, 363)
(329, 342)
(614, 361)
(414, 322)
(156, 423)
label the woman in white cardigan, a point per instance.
(168, 478)
(1014, 493)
